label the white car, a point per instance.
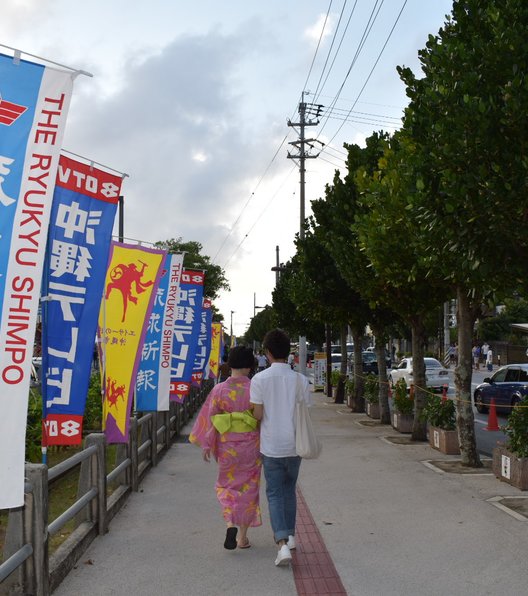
(435, 373)
(336, 361)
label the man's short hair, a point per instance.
(277, 343)
(241, 357)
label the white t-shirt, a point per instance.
(275, 388)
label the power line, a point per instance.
(318, 44)
(331, 46)
(373, 68)
(259, 217)
(317, 92)
(250, 197)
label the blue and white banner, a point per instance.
(154, 374)
(82, 218)
(201, 359)
(34, 102)
(186, 331)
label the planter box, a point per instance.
(403, 423)
(373, 410)
(445, 441)
(510, 468)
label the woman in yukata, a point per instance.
(226, 428)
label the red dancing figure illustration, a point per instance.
(123, 278)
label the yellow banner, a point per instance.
(214, 358)
(131, 282)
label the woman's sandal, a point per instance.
(245, 544)
(230, 540)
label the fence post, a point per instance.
(36, 529)
(154, 439)
(14, 540)
(134, 456)
(167, 418)
(97, 477)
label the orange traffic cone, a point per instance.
(492, 418)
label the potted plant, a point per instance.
(440, 414)
(349, 390)
(510, 460)
(334, 377)
(371, 394)
(403, 408)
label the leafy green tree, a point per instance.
(321, 292)
(289, 316)
(467, 120)
(395, 246)
(335, 216)
(261, 323)
(215, 279)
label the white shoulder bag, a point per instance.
(307, 445)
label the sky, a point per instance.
(192, 100)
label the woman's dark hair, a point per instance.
(277, 342)
(241, 357)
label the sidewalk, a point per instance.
(392, 526)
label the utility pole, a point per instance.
(315, 111)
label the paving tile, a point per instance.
(313, 569)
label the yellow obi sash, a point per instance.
(234, 422)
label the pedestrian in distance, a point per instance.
(489, 359)
(475, 352)
(224, 370)
(226, 429)
(262, 361)
(273, 396)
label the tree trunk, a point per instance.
(419, 432)
(383, 396)
(463, 374)
(358, 401)
(340, 391)
(328, 331)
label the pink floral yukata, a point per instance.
(237, 453)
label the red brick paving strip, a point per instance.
(313, 569)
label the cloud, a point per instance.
(173, 125)
(314, 32)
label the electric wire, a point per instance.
(331, 46)
(321, 87)
(232, 227)
(366, 32)
(318, 44)
(373, 68)
(260, 216)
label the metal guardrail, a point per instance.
(28, 568)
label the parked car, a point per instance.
(508, 386)
(336, 361)
(369, 362)
(436, 375)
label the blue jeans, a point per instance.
(281, 477)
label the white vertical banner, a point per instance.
(34, 102)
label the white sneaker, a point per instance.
(291, 543)
(283, 556)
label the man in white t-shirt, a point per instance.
(273, 394)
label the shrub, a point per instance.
(440, 412)
(516, 429)
(402, 400)
(334, 377)
(371, 391)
